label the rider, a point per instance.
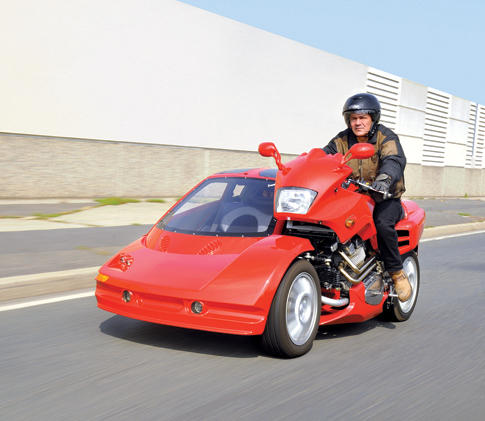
(385, 170)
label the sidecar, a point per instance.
(212, 262)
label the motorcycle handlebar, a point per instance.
(368, 187)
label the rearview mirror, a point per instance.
(358, 151)
(269, 149)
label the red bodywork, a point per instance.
(235, 278)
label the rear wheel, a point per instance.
(295, 312)
(395, 310)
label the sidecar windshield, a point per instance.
(227, 206)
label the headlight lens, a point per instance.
(295, 200)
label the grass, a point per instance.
(104, 201)
(55, 215)
(114, 201)
(95, 250)
(463, 214)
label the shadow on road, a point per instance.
(210, 343)
(180, 339)
(329, 332)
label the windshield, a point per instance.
(231, 206)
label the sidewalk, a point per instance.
(23, 215)
(18, 215)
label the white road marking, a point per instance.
(463, 234)
(43, 301)
(45, 276)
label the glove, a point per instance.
(382, 183)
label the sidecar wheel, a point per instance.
(395, 310)
(295, 313)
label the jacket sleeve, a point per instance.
(331, 148)
(393, 160)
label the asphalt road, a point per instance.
(70, 360)
(445, 211)
(28, 252)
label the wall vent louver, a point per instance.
(479, 149)
(470, 141)
(435, 127)
(387, 88)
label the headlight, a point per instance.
(294, 200)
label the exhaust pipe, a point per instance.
(362, 273)
(335, 303)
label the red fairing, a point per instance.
(357, 311)
(410, 228)
(314, 170)
(333, 205)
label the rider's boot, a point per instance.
(401, 285)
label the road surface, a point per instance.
(70, 360)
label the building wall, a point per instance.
(144, 98)
(48, 167)
(164, 72)
(37, 166)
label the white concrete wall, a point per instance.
(164, 72)
(410, 125)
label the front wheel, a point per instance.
(395, 310)
(295, 312)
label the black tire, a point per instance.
(295, 313)
(394, 310)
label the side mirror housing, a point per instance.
(268, 149)
(358, 151)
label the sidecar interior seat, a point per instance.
(243, 223)
(247, 217)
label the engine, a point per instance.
(347, 265)
(339, 266)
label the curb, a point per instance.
(39, 285)
(48, 276)
(442, 230)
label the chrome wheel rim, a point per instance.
(411, 269)
(301, 308)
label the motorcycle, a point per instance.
(343, 279)
(273, 253)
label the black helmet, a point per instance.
(362, 104)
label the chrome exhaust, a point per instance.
(335, 303)
(362, 273)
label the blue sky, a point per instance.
(436, 43)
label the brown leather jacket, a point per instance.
(389, 157)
